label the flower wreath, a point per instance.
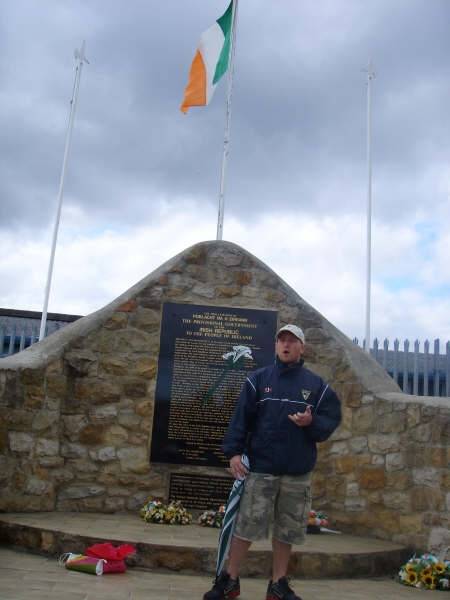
(212, 518)
(317, 519)
(154, 511)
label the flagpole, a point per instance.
(370, 77)
(226, 141)
(80, 59)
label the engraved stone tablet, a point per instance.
(205, 355)
(200, 492)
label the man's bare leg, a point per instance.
(238, 553)
(280, 559)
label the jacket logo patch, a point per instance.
(306, 394)
(267, 390)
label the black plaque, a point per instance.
(200, 375)
(200, 492)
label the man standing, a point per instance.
(282, 412)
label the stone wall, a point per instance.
(76, 409)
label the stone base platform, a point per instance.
(191, 549)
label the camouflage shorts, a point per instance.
(282, 502)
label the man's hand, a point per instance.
(237, 468)
(302, 419)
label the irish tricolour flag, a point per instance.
(210, 62)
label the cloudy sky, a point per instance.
(143, 179)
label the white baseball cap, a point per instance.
(294, 330)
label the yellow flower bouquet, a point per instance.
(427, 572)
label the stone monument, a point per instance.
(131, 401)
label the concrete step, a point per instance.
(191, 549)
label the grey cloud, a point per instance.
(298, 130)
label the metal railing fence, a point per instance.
(418, 372)
(422, 373)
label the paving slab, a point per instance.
(25, 576)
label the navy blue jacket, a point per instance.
(260, 426)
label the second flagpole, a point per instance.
(226, 141)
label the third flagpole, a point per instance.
(370, 76)
(226, 141)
